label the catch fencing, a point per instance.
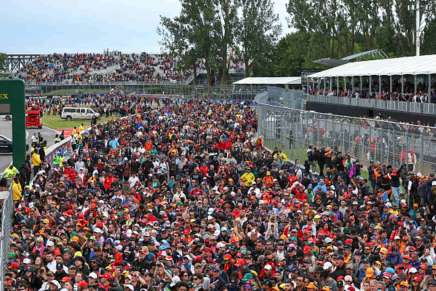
(224, 91)
(7, 208)
(394, 143)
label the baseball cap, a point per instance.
(327, 266)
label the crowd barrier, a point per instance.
(293, 130)
(6, 229)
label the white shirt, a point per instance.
(52, 266)
(133, 180)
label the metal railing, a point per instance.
(281, 97)
(393, 143)
(224, 91)
(412, 107)
(6, 229)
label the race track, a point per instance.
(6, 130)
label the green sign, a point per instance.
(12, 93)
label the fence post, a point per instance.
(421, 154)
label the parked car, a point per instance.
(5, 145)
(78, 113)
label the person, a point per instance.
(188, 198)
(3, 184)
(36, 161)
(17, 190)
(10, 172)
(56, 139)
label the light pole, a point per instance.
(418, 29)
(419, 24)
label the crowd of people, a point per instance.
(113, 103)
(108, 67)
(421, 96)
(85, 68)
(184, 196)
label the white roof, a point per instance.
(269, 81)
(422, 65)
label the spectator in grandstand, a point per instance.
(184, 196)
(91, 68)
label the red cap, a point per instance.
(106, 276)
(240, 262)
(306, 249)
(14, 266)
(82, 284)
(66, 279)
(349, 241)
(227, 257)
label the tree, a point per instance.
(348, 26)
(190, 36)
(295, 53)
(2, 62)
(258, 33)
(225, 29)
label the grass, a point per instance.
(300, 154)
(55, 122)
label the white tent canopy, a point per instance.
(269, 81)
(422, 65)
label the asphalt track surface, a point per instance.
(6, 130)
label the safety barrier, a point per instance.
(412, 107)
(6, 229)
(391, 143)
(7, 209)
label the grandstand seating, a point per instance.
(109, 67)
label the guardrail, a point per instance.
(365, 139)
(6, 229)
(411, 107)
(8, 208)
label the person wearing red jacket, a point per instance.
(108, 181)
(71, 174)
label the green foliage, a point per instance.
(2, 61)
(259, 30)
(213, 31)
(348, 25)
(216, 31)
(337, 28)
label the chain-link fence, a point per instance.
(227, 91)
(292, 130)
(6, 229)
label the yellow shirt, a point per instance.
(17, 191)
(36, 160)
(248, 179)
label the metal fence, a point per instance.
(411, 107)
(228, 91)
(6, 229)
(292, 130)
(281, 97)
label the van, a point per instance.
(78, 113)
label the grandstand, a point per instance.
(389, 87)
(110, 67)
